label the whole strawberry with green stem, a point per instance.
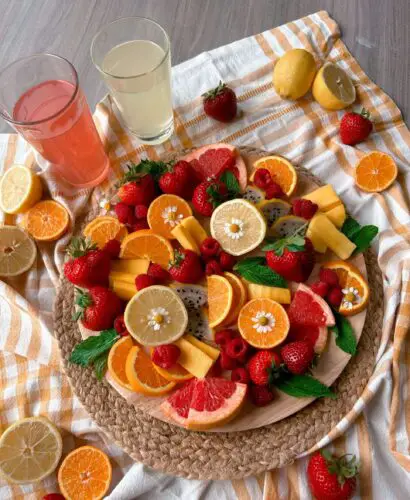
(355, 127)
(179, 179)
(186, 267)
(265, 367)
(207, 196)
(220, 103)
(332, 478)
(298, 356)
(88, 266)
(98, 308)
(138, 187)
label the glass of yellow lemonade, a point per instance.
(133, 55)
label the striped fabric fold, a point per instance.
(377, 429)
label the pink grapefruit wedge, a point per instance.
(316, 335)
(205, 403)
(308, 308)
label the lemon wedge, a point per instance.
(20, 189)
(332, 87)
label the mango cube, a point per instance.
(185, 239)
(322, 228)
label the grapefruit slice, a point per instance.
(207, 161)
(308, 308)
(316, 335)
(205, 403)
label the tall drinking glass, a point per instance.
(41, 99)
(133, 56)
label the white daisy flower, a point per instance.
(105, 206)
(351, 297)
(158, 317)
(264, 322)
(171, 216)
(235, 228)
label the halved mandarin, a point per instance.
(116, 361)
(375, 172)
(281, 170)
(238, 300)
(263, 323)
(145, 244)
(220, 296)
(356, 292)
(47, 220)
(96, 221)
(166, 212)
(142, 375)
(105, 230)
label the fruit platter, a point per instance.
(220, 289)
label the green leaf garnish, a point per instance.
(361, 236)
(100, 365)
(87, 351)
(294, 243)
(136, 171)
(255, 270)
(304, 386)
(231, 182)
(345, 338)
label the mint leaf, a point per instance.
(350, 227)
(255, 270)
(304, 386)
(89, 349)
(294, 243)
(100, 365)
(361, 236)
(230, 181)
(345, 338)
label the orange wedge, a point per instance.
(85, 473)
(166, 212)
(116, 361)
(145, 244)
(142, 375)
(263, 323)
(102, 231)
(174, 374)
(281, 170)
(47, 220)
(356, 292)
(375, 172)
(220, 297)
(239, 297)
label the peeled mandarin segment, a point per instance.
(194, 227)
(238, 299)
(332, 87)
(85, 473)
(47, 220)
(166, 212)
(20, 189)
(220, 296)
(375, 172)
(263, 323)
(281, 170)
(17, 251)
(116, 361)
(145, 244)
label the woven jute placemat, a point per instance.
(198, 455)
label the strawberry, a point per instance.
(355, 127)
(320, 287)
(328, 276)
(273, 190)
(53, 496)
(262, 178)
(140, 212)
(264, 367)
(226, 261)
(297, 356)
(332, 478)
(223, 337)
(186, 267)
(89, 266)
(335, 296)
(240, 375)
(137, 187)
(123, 213)
(292, 257)
(113, 248)
(226, 362)
(209, 248)
(212, 267)
(207, 196)
(237, 348)
(166, 355)
(261, 395)
(119, 325)
(178, 180)
(98, 307)
(220, 103)
(304, 208)
(144, 281)
(158, 273)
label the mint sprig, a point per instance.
(304, 386)
(361, 236)
(294, 243)
(100, 365)
(255, 270)
(231, 182)
(345, 337)
(86, 352)
(144, 167)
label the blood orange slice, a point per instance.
(316, 335)
(308, 308)
(205, 403)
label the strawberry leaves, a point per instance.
(361, 236)
(136, 171)
(304, 386)
(255, 270)
(231, 183)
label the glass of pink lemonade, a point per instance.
(41, 99)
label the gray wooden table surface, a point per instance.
(376, 31)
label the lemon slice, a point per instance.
(156, 315)
(20, 189)
(238, 226)
(332, 88)
(274, 209)
(30, 450)
(17, 251)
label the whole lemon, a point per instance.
(293, 74)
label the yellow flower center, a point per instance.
(263, 321)
(172, 216)
(234, 228)
(159, 318)
(350, 297)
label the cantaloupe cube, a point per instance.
(281, 295)
(211, 351)
(193, 359)
(194, 227)
(337, 215)
(125, 291)
(318, 244)
(185, 239)
(325, 197)
(321, 227)
(131, 266)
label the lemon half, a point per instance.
(17, 251)
(20, 189)
(332, 88)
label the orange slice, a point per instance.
(145, 244)
(281, 170)
(166, 212)
(47, 220)
(96, 221)
(85, 473)
(142, 375)
(220, 296)
(116, 361)
(174, 374)
(239, 297)
(356, 292)
(375, 172)
(263, 323)
(102, 231)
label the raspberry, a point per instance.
(119, 325)
(273, 190)
(140, 224)
(320, 287)
(329, 276)
(262, 178)
(212, 267)
(240, 375)
(209, 248)
(237, 349)
(304, 208)
(159, 274)
(261, 395)
(144, 281)
(226, 261)
(227, 363)
(297, 206)
(335, 296)
(166, 355)
(223, 337)
(113, 248)
(140, 212)
(123, 212)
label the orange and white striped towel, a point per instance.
(378, 427)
